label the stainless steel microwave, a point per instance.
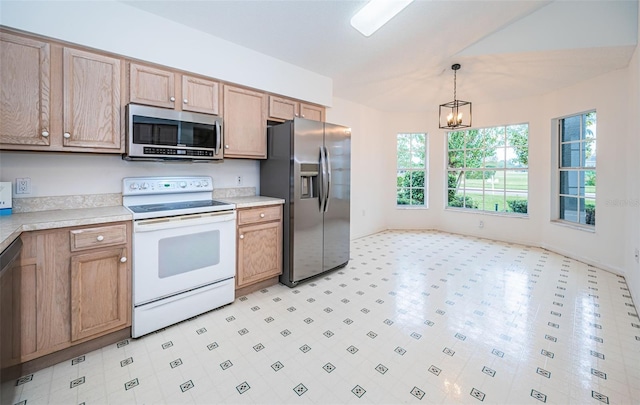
(163, 134)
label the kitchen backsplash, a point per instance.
(66, 202)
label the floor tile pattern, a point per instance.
(415, 317)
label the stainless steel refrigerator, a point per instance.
(309, 166)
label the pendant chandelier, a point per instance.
(456, 113)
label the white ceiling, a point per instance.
(507, 48)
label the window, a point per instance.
(577, 168)
(488, 169)
(411, 170)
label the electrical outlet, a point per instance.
(23, 185)
(239, 181)
(481, 224)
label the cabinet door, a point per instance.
(245, 123)
(42, 293)
(282, 108)
(91, 109)
(25, 75)
(312, 112)
(17, 312)
(259, 252)
(100, 292)
(151, 86)
(200, 95)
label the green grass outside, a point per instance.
(514, 181)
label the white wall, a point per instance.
(117, 27)
(631, 205)
(370, 170)
(62, 174)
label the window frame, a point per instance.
(558, 169)
(425, 169)
(484, 169)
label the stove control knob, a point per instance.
(144, 186)
(205, 183)
(133, 186)
(183, 184)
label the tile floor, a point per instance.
(415, 317)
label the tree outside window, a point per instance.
(488, 169)
(577, 168)
(411, 167)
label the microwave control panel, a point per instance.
(147, 150)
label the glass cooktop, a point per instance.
(181, 205)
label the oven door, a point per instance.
(178, 254)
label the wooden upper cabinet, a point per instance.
(151, 86)
(170, 89)
(25, 79)
(91, 107)
(312, 112)
(58, 98)
(245, 123)
(200, 95)
(283, 108)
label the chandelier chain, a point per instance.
(454, 84)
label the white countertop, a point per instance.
(11, 226)
(252, 201)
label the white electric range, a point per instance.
(184, 249)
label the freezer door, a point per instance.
(337, 142)
(306, 221)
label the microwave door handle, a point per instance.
(218, 137)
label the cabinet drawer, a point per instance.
(89, 238)
(260, 214)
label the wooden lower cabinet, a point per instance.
(100, 300)
(62, 298)
(259, 244)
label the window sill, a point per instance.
(573, 225)
(493, 213)
(412, 207)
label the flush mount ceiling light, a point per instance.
(456, 113)
(375, 14)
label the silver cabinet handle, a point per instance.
(262, 215)
(172, 99)
(67, 135)
(100, 238)
(241, 236)
(45, 133)
(123, 260)
(226, 146)
(185, 101)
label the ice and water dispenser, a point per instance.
(309, 180)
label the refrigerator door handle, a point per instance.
(328, 193)
(323, 172)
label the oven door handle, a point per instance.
(155, 224)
